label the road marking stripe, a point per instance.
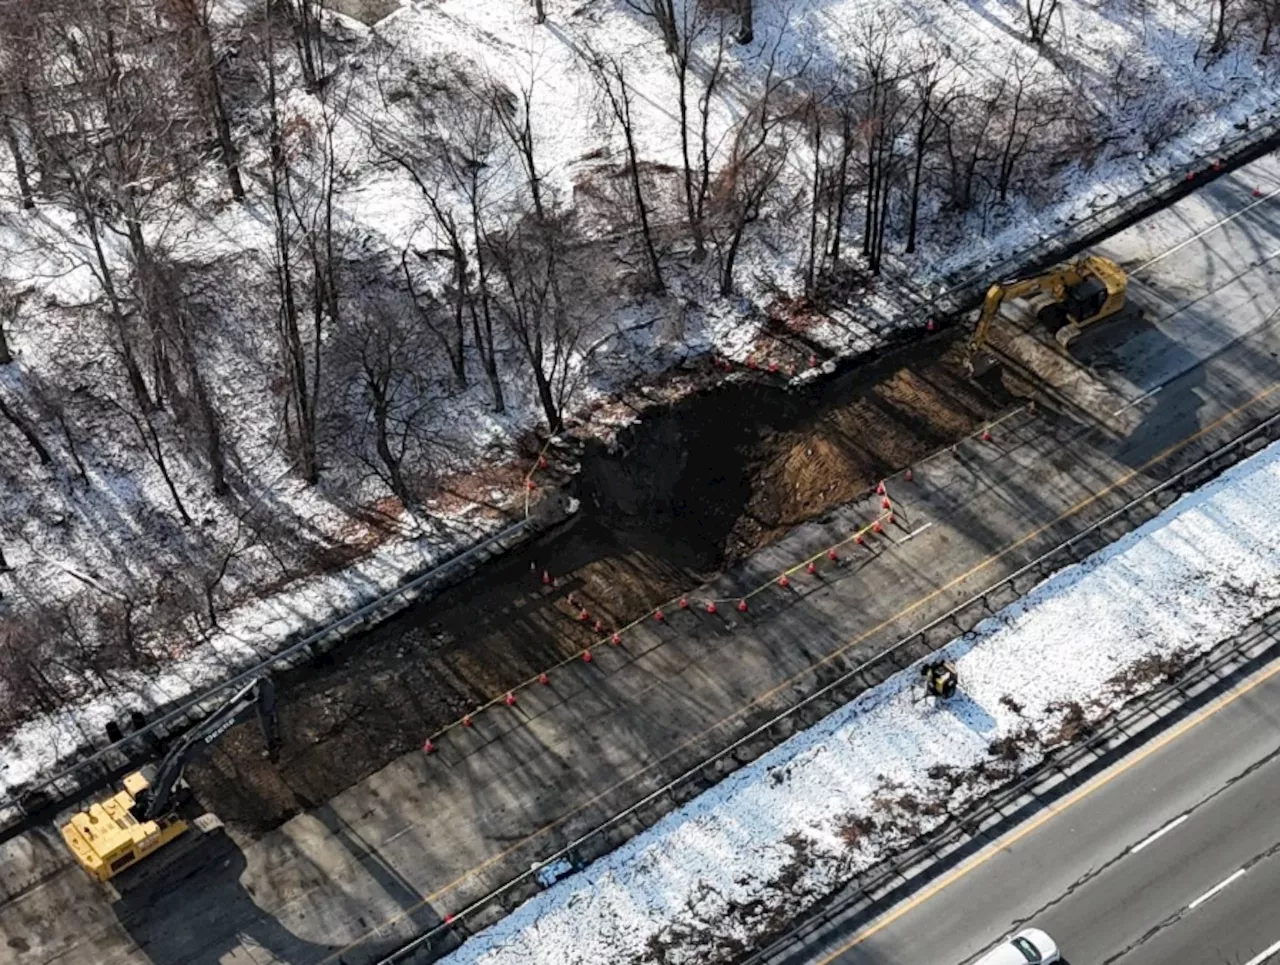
(1086, 501)
(1053, 810)
(1200, 234)
(1141, 398)
(913, 533)
(1159, 834)
(1259, 959)
(1215, 890)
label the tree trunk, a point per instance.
(842, 182)
(381, 408)
(704, 137)
(221, 123)
(810, 275)
(731, 255)
(5, 355)
(484, 336)
(620, 100)
(24, 426)
(19, 163)
(746, 22)
(922, 136)
(539, 11)
(680, 61)
(132, 371)
(151, 442)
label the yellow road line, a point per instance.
(1053, 810)
(1077, 507)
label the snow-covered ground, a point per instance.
(777, 835)
(81, 543)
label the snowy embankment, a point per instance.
(758, 849)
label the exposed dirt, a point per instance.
(694, 486)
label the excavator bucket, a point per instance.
(980, 363)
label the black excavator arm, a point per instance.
(258, 696)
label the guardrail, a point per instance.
(1061, 767)
(649, 809)
(107, 763)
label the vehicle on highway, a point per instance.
(1028, 947)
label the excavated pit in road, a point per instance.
(693, 487)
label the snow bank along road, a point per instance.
(791, 826)
(425, 836)
(1167, 857)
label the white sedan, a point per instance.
(1029, 947)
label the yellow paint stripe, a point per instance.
(910, 608)
(1053, 810)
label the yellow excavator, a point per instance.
(153, 807)
(1066, 298)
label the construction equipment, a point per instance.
(151, 809)
(1066, 299)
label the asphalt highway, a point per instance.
(1172, 856)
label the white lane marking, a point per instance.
(1259, 959)
(914, 532)
(1215, 890)
(1161, 833)
(1200, 234)
(1141, 398)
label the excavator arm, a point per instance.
(258, 696)
(1000, 292)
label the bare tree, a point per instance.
(1266, 13)
(932, 105)
(663, 13)
(539, 11)
(144, 424)
(1039, 15)
(193, 22)
(1020, 120)
(386, 358)
(1218, 20)
(109, 148)
(548, 337)
(756, 161)
(451, 335)
(967, 140)
(612, 81)
(885, 120)
(460, 129)
(696, 167)
(308, 37)
(299, 348)
(746, 22)
(26, 427)
(10, 134)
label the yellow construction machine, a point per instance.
(1065, 299)
(152, 809)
